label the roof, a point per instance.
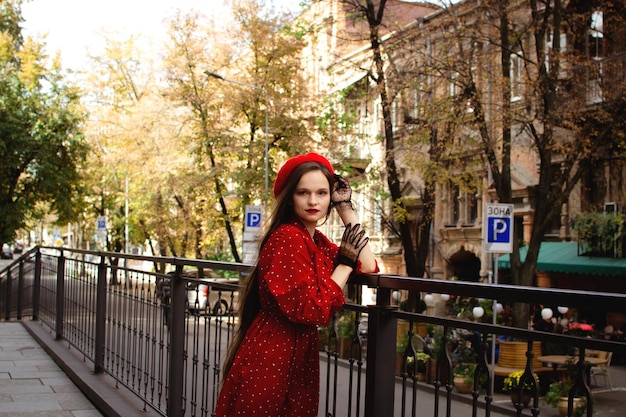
(563, 257)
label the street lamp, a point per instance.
(219, 77)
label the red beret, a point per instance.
(288, 167)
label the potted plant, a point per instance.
(558, 394)
(344, 326)
(322, 334)
(420, 356)
(580, 329)
(434, 347)
(464, 358)
(600, 233)
(463, 374)
(422, 360)
(511, 385)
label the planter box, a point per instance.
(345, 348)
(513, 354)
(431, 372)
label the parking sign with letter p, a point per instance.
(498, 228)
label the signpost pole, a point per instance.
(497, 239)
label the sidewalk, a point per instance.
(31, 383)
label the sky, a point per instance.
(75, 27)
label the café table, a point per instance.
(560, 361)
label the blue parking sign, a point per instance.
(498, 228)
(253, 219)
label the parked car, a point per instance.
(202, 296)
(6, 252)
(18, 248)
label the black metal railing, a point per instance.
(156, 336)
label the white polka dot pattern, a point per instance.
(276, 369)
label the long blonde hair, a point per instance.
(282, 213)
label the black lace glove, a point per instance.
(352, 243)
(341, 197)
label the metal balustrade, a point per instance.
(108, 307)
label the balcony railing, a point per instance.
(166, 346)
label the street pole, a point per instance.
(219, 77)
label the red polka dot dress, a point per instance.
(276, 369)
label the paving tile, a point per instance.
(61, 384)
(32, 384)
(45, 366)
(76, 402)
(20, 373)
(29, 389)
(30, 406)
(86, 413)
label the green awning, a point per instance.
(563, 257)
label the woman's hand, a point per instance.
(352, 243)
(341, 197)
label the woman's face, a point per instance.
(311, 199)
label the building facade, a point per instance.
(451, 90)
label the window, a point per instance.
(595, 47)
(395, 113)
(517, 74)
(453, 87)
(416, 105)
(471, 208)
(378, 117)
(462, 206)
(455, 205)
(550, 47)
(378, 220)
(596, 35)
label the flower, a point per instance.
(421, 358)
(511, 382)
(580, 329)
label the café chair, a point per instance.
(603, 370)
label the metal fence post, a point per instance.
(177, 343)
(20, 289)
(380, 377)
(37, 285)
(101, 303)
(7, 301)
(60, 296)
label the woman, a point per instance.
(272, 368)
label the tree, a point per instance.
(271, 45)
(188, 58)
(518, 81)
(139, 164)
(372, 12)
(227, 121)
(42, 147)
